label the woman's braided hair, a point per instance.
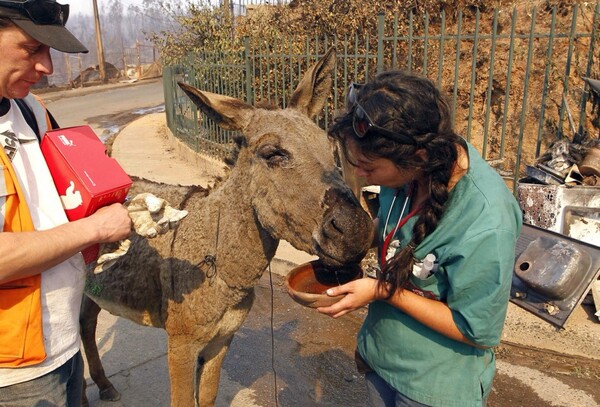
(409, 104)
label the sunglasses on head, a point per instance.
(41, 11)
(352, 95)
(363, 124)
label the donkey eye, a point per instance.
(274, 156)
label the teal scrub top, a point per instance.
(474, 245)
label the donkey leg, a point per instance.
(210, 376)
(88, 320)
(183, 358)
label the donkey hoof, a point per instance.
(110, 394)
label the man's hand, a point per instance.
(111, 223)
(151, 216)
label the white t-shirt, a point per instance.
(62, 285)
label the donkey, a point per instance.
(197, 281)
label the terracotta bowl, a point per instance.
(307, 283)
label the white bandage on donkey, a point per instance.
(151, 216)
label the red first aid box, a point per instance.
(85, 177)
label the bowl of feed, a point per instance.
(307, 283)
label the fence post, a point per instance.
(68, 67)
(380, 33)
(168, 90)
(80, 71)
(588, 71)
(525, 96)
(139, 60)
(249, 95)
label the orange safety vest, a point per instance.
(21, 336)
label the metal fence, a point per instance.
(514, 78)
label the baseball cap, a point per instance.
(43, 20)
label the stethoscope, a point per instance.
(387, 240)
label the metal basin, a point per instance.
(553, 268)
(552, 273)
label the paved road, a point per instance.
(105, 109)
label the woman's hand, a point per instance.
(358, 293)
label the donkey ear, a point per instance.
(312, 92)
(229, 113)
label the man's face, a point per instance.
(23, 62)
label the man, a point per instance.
(41, 267)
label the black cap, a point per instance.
(54, 35)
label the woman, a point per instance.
(447, 228)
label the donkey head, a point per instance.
(295, 188)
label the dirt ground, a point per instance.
(526, 376)
(564, 374)
(538, 365)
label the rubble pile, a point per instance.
(568, 163)
(575, 162)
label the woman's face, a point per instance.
(380, 171)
